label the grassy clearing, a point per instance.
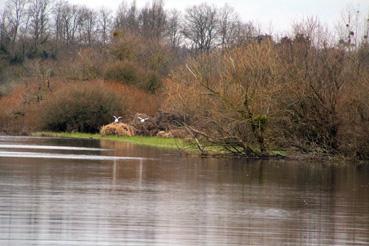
(157, 142)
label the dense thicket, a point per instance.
(266, 95)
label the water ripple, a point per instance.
(46, 147)
(66, 156)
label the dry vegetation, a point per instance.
(118, 129)
(263, 95)
(232, 87)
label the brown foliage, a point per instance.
(10, 111)
(322, 91)
(133, 74)
(229, 96)
(126, 72)
(290, 94)
(19, 109)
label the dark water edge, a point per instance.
(160, 198)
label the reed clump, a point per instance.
(118, 129)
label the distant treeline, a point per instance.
(44, 28)
(50, 29)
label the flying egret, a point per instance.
(142, 120)
(116, 119)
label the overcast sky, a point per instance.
(276, 13)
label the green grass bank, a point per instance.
(157, 142)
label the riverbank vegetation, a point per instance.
(157, 142)
(68, 68)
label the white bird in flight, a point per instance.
(142, 120)
(116, 119)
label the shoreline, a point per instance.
(181, 146)
(177, 144)
(155, 142)
(170, 144)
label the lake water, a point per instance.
(85, 192)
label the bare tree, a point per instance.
(87, 25)
(58, 23)
(4, 34)
(127, 17)
(313, 29)
(15, 18)
(173, 29)
(153, 20)
(105, 21)
(200, 27)
(350, 28)
(67, 20)
(247, 32)
(38, 12)
(229, 26)
(366, 31)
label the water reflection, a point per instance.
(167, 199)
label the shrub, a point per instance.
(82, 108)
(131, 73)
(152, 82)
(125, 72)
(138, 61)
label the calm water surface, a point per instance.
(68, 192)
